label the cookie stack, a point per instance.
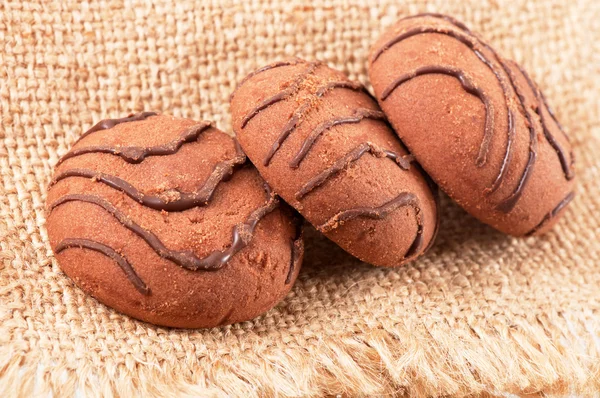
(166, 220)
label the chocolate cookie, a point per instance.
(164, 220)
(476, 122)
(324, 145)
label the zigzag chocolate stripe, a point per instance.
(378, 213)
(242, 234)
(108, 252)
(264, 69)
(173, 200)
(345, 161)
(358, 115)
(135, 154)
(183, 258)
(110, 123)
(299, 114)
(552, 214)
(290, 90)
(565, 164)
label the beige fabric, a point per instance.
(480, 313)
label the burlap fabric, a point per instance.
(481, 313)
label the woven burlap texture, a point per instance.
(481, 313)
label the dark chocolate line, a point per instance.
(264, 69)
(242, 234)
(562, 157)
(108, 252)
(552, 214)
(552, 115)
(448, 18)
(301, 112)
(136, 154)
(346, 160)
(465, 39)
(509, 203)
(173, 200)
(508, 153)
(378, 213)
(110, 123)
(357, 116)
(468, 85)
(290, 90)
(183, 258)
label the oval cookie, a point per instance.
(476, 122)
(323, 144)
(164, 220)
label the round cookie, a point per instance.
(323, 144)
(476, 122)
(164, 220)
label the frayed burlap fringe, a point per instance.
(460, 360)
(481, 314)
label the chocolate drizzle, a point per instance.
(172, 200)
(470, 40)
(108, 252)
(468, 85)
(509, 203)
(110, 123)
(465, 39)
(562, 157)
(447, 18)
(135, 154)
(507, 154)
(299, 114)
(185, 259)
(241, 235)
(356, 117)
(561, 205)
(378, 213)
(345, 161)
(290, 90)
(265, 68)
